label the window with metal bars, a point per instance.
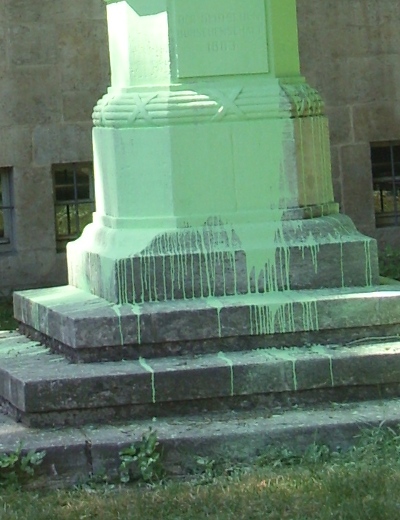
(73, 200)
(6, 207)
(385, 159)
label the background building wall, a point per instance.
(54, 67)
(350, 52)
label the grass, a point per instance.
(361, 484)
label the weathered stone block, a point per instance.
(357, 190)
(33, 44)
(32, 96)
(82, 50)
(340, 124)
(62, 144)
(33, 184)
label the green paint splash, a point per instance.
(148, 368)
(285, 354)
(137, 311)
(324, 351)
(218, 306)
(229, 362)
(117, 310)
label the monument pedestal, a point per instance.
(217, 258)
(212, 163)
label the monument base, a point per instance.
(217, 260)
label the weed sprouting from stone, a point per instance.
(143, 458)
(17, 468)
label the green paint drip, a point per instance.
(137, 311)
(148, 368)
(323, 351)
(294, 375)
(341, 263)
(368, 267)
(222, 356)
(117, 310)
(331, 370)
(287, 355)
(276, 317)
(217, 305)
(310, 315)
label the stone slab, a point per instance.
(40, 388)
(87, 328)
(73, 455)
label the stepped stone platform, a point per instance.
(75, 454)
(315, 366)
(42, 389)
(87, 328)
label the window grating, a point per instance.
(385, 159)
(74, 200)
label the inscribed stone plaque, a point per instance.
(220, 37)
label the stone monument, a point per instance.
(215, 228)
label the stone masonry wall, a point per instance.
(53, 68)
(350, 52)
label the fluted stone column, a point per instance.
(212, 163)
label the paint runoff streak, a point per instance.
(183, 264)
(117, 310)
(148, 368)
(218, 306)
(273, 318)
(323, 351)
(229, 362)
(137, 311)
(368, 267)
(310, 315)
(285, 354)
(341, 263)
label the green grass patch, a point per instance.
(361, 484)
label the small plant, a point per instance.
(16, 468)
(145, 456)
(279, 457)
(206, 470)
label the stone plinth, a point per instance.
(212, 161)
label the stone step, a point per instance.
(73, 455)
(43, 389)
(86, 328)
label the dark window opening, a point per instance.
(6, 206)
(385, 159)
(74, 200)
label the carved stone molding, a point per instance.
(130, 107)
